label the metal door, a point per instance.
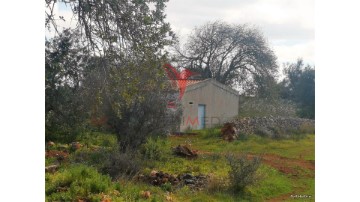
(201, 116)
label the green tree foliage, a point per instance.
(122, 81)
(235, 55)
(133, 97)
(299, 86)
(123, 26)
(64, 63)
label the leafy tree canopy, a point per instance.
(235, 55)
(299, 86)
(111, 63)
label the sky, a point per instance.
(288, 25)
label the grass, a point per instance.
(211, 161)
(76, 182)
(254, 144)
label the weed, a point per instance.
(153, 149)
(121, 165)
(91, 157)
(242, 172)
(166, 187)
(217, 184)
(76, 182)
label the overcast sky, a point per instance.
(287, 24)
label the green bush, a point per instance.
(91, 157)
(154, 149)
(166, 187)
(76, 182)
(242, 172)
(121, 165)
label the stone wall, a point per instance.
(273, 126)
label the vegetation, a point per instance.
(64, 107)
(107, 71)
(299, 86)
(77, 182)
(106, 115)
(154, 149)
(280, 173)
(235, 55)
(243, 172)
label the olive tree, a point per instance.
(123, 79)
(235, 55)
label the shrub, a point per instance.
(121, 165)
(307, 128)
(217, 184)
(242, 172)
(166, 187)
(76, 182)
(154, 149)
(90, 157)
(109, 161)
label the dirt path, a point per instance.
(293, 167)
(289, 166)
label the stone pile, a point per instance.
(228, 132)
(270, 126)
(194, 182)
(158, 178)
(184, 151)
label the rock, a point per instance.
(75, 146)
(158, 178)
(51, 168)
(164, 180)
(185, 151)
(58, 154)
(145, 194)
(271, 126)
(228, 132)
(63, 147)
(187, 176)
(188, 181)
(153, 173)
(50, 144)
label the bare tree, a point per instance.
(236, 55)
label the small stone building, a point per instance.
(208, 103)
